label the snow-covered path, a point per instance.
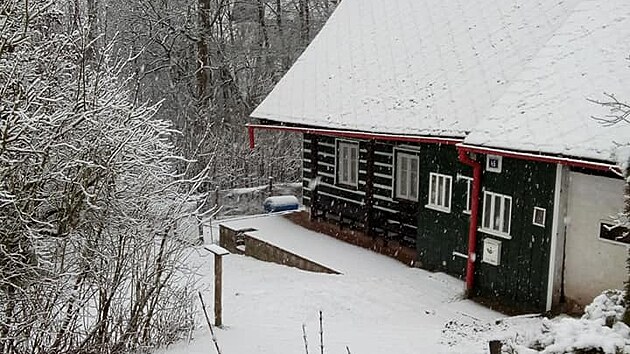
(377, 305)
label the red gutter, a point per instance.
(352, 134)
(601, 166)
(250, 132)
(472, 225)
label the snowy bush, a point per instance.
(569, 335)
(90, 260)
(598, 331)
(608, 307)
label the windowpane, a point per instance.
(414, 165)
(447, 192)
(353, 164)
(344, 165)
(469, 196)
(440, 190)
(413, 178)
(413, 183)
(433, 187)
(497, 213)
(507, 215)
(403, 184)
(487, 200)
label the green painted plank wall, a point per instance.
(521, 278)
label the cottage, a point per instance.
(467, 131)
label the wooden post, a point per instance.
(270, 186)
(218, 274)
(216, 197)
(495, 346)
(218, 252)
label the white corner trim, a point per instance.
(554, 237)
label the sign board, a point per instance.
(494, 163)
(216, 250)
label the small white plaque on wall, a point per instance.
(493, 163)
(492, 251)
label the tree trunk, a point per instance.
(92, 17)
(304, 14)
(264, 36)
(203, 72)
(626, 316)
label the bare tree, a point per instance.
(231, 52)
(90, 200)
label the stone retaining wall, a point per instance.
(238, 241)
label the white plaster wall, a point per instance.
(592, 265)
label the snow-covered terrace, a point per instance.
(377, 305)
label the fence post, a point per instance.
(495, 346)
(270, 186)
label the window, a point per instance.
(497, 213)
(347, 163)
(614, 232)
(468, 205)
(440, 192)
(539, 216)
(407, 169)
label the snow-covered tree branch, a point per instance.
(91, 257)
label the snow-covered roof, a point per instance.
(547, 109)
(449, 68)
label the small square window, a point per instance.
(494, 163)
(614, 232)
(539, 216)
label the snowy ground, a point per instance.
(377, 305)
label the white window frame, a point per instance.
(440, 201)
(490, 229)
(343, 165)
(610, 224)
(468, 205)
(407, 193)
(544, 211)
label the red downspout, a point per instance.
(474, 212)
(250, 131)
